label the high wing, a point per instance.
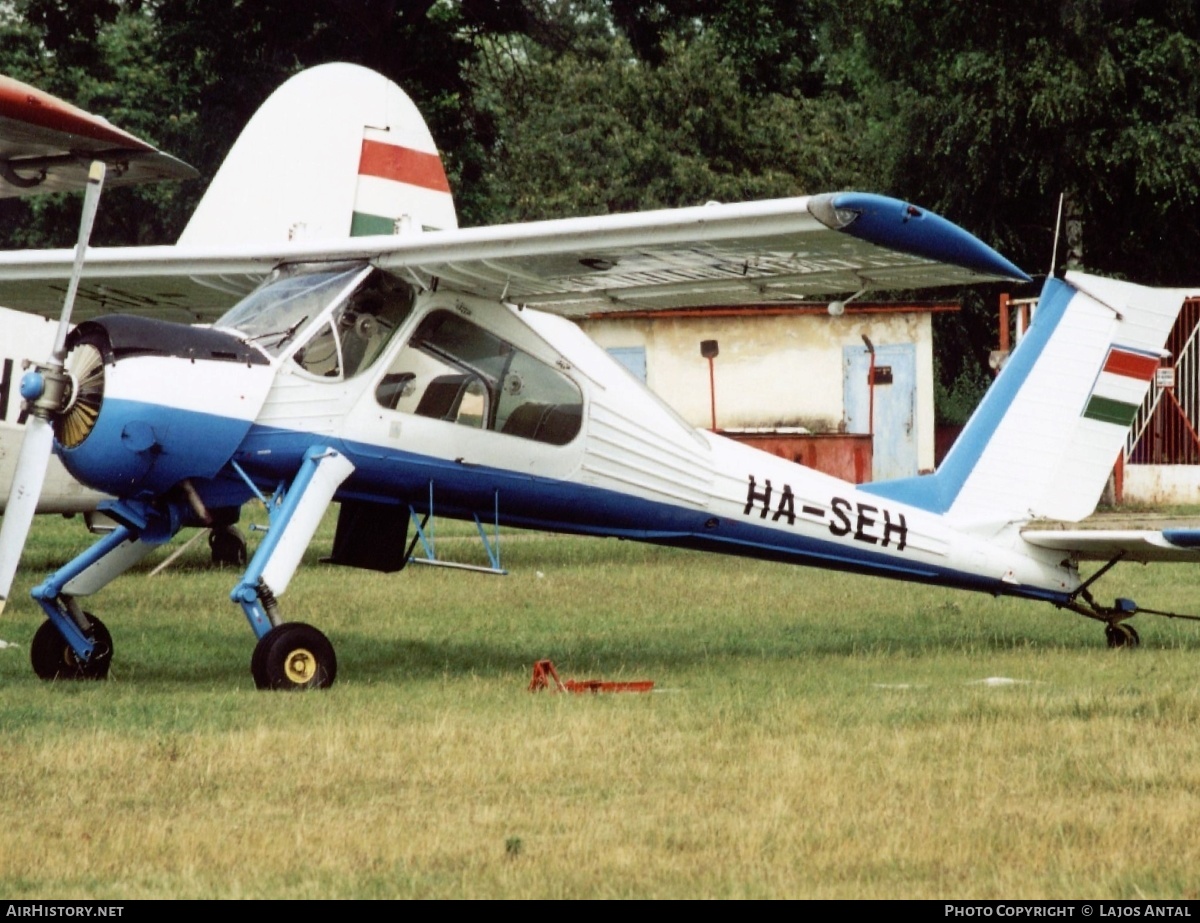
(1164, 546)
(46, 145)
(781, 250)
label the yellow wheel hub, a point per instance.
(300, 666)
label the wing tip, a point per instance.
(908, 228)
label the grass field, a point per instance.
(810, 735)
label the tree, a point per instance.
(995, 108)
(637, 105)
(583, 136)
(187, 75)
(988, 112)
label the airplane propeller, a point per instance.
(50, 391)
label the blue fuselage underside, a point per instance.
(270, 456)
(461, 491)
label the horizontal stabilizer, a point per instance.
(1169, 545)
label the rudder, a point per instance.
(1044, 439)
(337, 151)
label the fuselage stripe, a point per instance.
(403, 165)
(1107, 410)
(1131, 364)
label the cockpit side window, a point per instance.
(320, 355)
(342, 316)
(367, 320)
(359, 328)
(454, 370)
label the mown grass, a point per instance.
(810, 735)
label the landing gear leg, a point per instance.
(73, 644)
(290, 655)
(1116, 632)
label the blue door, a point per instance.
(895, 442)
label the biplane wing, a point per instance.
(46, 145)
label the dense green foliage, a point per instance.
(986, 112)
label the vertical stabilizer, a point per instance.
(1044, 439)
(338, 150)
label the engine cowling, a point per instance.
(155, 402)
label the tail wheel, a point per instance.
(53, 658)
(1121, 635)
(293, 656)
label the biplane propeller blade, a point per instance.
(49, 390)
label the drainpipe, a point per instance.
(709, 350)
(870, 388)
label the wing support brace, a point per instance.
(294, 517)
(1121, 609)
(141, 529)
(425, 535)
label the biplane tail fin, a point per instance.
(1044, 440)
(337, 151)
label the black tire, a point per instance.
(293, 656)
(52, 657)
(228, 546)
(1121, 635)
(259, 657)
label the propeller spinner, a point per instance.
(51, 393)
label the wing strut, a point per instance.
(425, 535)
(1122, 609)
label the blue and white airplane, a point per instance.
(355, 346)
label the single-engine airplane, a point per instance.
(363, 349)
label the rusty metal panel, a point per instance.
(844, 455)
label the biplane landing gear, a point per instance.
(228, 546)
(53, 658)
(1118, 634)
(293, 656)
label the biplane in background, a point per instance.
(46, 146)
(362, 349)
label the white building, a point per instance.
(794, 371)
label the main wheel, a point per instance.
(228, 546)
(53, 658)
(293, 656)
(1121, 635)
